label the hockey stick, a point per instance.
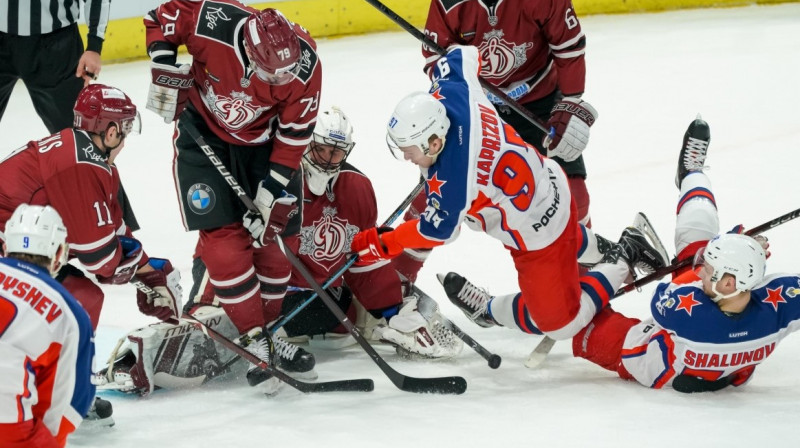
(545, 345)
(440, 385)
(359, 385)
(428, 308)
(396, 214)
(525, 113)
(444, 385)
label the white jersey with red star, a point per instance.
(486, 174)
(689, 334)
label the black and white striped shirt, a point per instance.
(34, 17)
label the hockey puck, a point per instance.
(494, 361)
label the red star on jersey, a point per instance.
(774, 297)
(687, 302)
(438, 94)
(435, 185)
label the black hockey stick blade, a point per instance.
(428, 307)
(440, 385)
(357, 385)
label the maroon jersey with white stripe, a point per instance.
(330, 222)
(68, 172)
(237, 106)
(536, 42)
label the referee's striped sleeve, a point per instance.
(96, 16)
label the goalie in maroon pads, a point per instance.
(252, 92)
(340, 202)
(73, 171)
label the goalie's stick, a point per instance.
(545, 345)
(428, 308)
(396, 214)
(525, 113)
(445, 385)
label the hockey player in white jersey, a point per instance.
(478, 170)
(46, 337)
(713, 323)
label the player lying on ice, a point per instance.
(479, 171)
(711, 325)
(339, 201)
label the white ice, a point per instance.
(648, 76)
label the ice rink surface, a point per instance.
(648, 76)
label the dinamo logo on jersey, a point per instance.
(327, 239)
(234, 112)
(201, 199)
(500, 57)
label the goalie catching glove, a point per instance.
(169, 89)
(163, 300)
(273, 213)
(569, 125)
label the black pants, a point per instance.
(530, 133)
(207, 200)
(46, 63)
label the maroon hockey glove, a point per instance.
(163, 286)
(169, 90)
(274, 215)
(132, 258)
(371, 248)
(569, 123)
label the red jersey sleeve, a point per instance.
(567, 44)
(169, 26)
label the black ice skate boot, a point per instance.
(638, 251)
(258, 342)
(470, 299)
(694, 149)
(294, 360)
(99, 414)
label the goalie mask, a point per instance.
(331, 144)
(37, 230)
(98, 106)
(272, 47)
(415, 119)
(738, 255)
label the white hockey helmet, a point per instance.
(327, 152)
(415, 119)
(37, 230)
(738, 255)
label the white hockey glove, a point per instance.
(273, 213)
(165, 300)
(169, 90)
(569, 126)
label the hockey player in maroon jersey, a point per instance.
(713, 323)
(252, 93)
(534, 51)
(74, 172)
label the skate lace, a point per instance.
(284, 349)
(474, 298)
(258, 346)
(695, 155)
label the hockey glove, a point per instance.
(163, 300)
(169, 90)
(273, 213)
(569, 126)
(371, 248)
(760, 239)
(131, 258)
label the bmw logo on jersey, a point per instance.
(201, 199)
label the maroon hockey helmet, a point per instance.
(273, 47)
(99, 105)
